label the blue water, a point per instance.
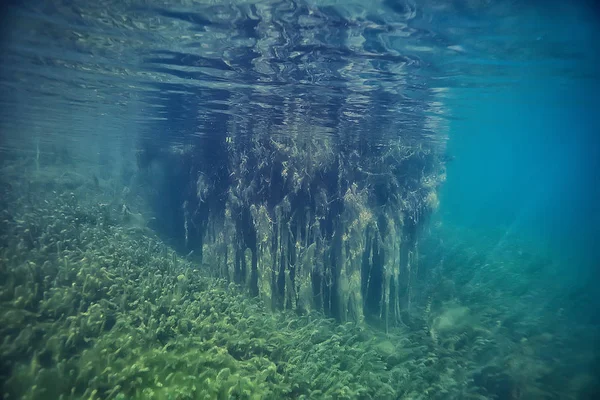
(157, 105)
(526, 143)
(527, 163)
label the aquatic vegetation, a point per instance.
(92, 309)
(305, 220)
(509, 314)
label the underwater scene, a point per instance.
(299, 199)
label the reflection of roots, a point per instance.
(312, 221)
(333, 228)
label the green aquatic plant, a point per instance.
(304, 219)
(95, 310)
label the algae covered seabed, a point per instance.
(95, 306)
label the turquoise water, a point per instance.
(526, 163)
(299, 199)
(527, 148)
